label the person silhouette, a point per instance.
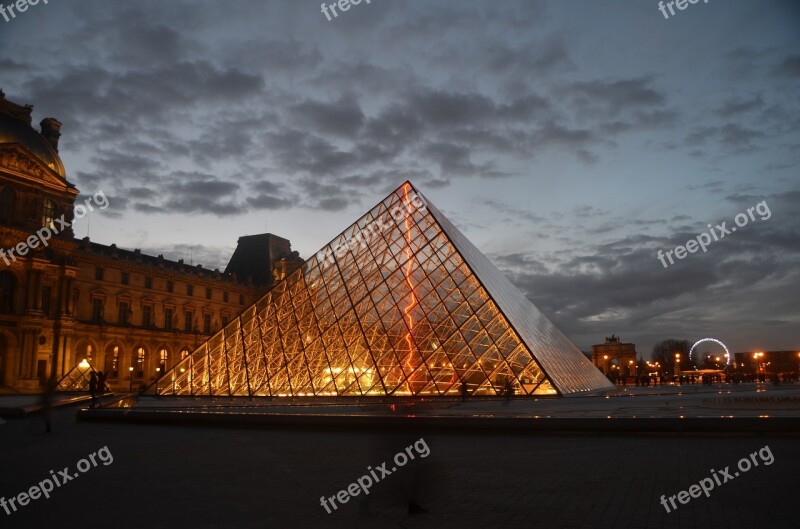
(93, 388)
(101, 387)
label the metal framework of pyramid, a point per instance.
(399, 304)
(77, 379)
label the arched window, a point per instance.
(48, 213)
(7, 286)
(112, 362)
(8, 204)
(163, 361)
(140, 362)
(185, 353)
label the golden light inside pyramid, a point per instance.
(396, 305)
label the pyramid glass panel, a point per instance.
(399, 304)
(77, 379)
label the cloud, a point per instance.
(790, 66)
(340, 118)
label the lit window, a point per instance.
(115, 363)
(163, 360)
(48, 213)
(140, 362)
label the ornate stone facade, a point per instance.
(130, 314)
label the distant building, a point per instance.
(614, 357)
(130, 314)
(767, 361)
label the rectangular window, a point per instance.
(170, 286)
(188, 318)
(208, 293)
(241, 299)
(48, 213)
(225, 296)
(190, 289)
(126, 278)
(147, 315)
(47, 295)
(207, 323)
(168, 319)
(148, 282)
(97, 311)
(99, 273)
(124, 312)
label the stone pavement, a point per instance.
(202, 477)
(741, 400)
(22, 405)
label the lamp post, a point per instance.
(158, 375)
(130, 389)
(605, 364)
(678, 366)
(757, 357)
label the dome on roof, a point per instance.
(15, 127)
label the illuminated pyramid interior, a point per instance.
(399, 304)
(77, 379)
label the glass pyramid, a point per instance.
(399, 304)
(77, 379)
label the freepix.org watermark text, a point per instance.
(56, 479)
(365, 482)
(343, 5)
(714, 234)
(720, 477)
(680, 4)
(10, 11)
(363, 237)
(43, 235)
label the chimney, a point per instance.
(51, 130)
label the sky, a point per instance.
(569, 140)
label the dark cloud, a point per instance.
(195, 108)
(614, 96)
(736, 106)
(790, 65)
(340, 118)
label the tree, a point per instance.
(664, 352)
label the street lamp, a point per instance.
(757, 357)
(130, 389)
(678, 366)
(158, 375)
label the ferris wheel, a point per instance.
(698, 342)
